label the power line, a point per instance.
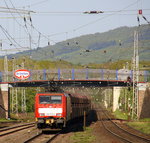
(86, 12)
(114, 13)
(15, 9)
(12, 40)
(14, 17)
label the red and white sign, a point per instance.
(140, 11)
(22, 74)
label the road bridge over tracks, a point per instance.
(67, 77)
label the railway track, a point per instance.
(41, 137)
(125, 134)
(13, 129)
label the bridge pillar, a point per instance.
(116, 95)
(144, 100)
(4, 101)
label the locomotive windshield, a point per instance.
(50, 99)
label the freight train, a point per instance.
(56, 109)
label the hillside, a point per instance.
(104, 47)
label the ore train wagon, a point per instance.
(54, 110)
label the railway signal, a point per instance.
(93, 12)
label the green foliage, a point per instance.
(141, 126)
(30, 95)
(121, 115)
(145, 120)
(6, 120)
(83, 137)
(125, 101)
(23, 117)
(30, 98)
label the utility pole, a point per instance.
(135, 67)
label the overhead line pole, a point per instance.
(135, 101)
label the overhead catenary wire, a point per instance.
(98, 19)
(15, 9)
(86, 12)
(25, 21)
(14, 17)
(9, 37)
(105, 12)
(31, 26)
(114, 13)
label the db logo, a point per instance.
(22, 74)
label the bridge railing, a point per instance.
(77, 74)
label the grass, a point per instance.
(83, 137)
(141, 126)
(6, 120)
(145, 120)
(23, 117)
(120, 115)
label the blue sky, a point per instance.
(66, 17)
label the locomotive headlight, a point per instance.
(58, 114)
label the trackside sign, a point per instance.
(22, 74)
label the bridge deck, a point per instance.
(85, 83)
(77, 77)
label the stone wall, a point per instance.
(4, 101)
(144, 102)
(2, 108)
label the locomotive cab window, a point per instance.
(50, 99)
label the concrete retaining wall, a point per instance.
(4, 101)
(144, 101)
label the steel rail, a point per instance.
(51, 139)
(40, 134)
(144, 139)
(129, 133)
(12, 127)
(7, 133)
(124, 139)
(32, 138)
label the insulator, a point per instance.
(30, 20)
(144, 18)
(138, 20)
(93, 12)
(24, 19)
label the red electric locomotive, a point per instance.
(54, 110)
